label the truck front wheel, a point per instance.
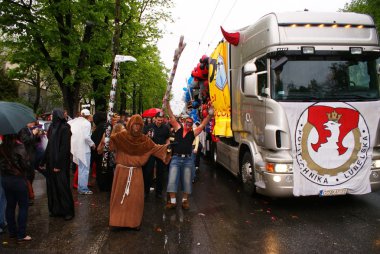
(247, 174)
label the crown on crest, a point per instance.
(334, 116)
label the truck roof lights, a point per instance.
(335, 25)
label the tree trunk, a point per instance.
(134, 92)
(71, 100)
(100, 104)
(140, 101)
(116, 37)
(123, 101)
(37, 84)
(100, 96)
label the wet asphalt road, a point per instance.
(221, 219)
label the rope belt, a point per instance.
(129, 180)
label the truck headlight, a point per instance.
(279, 168)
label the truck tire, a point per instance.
(247, 174)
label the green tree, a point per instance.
(371, 7)
(139, 34)
(75, 40)
(7, 86)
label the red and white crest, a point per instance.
(331, 143)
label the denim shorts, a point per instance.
(180, 169)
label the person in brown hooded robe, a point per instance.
(133, 150)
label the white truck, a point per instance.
(305, 105)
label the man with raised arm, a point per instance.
(182, 164)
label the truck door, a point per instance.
(254, 89)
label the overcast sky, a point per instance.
(199, 22)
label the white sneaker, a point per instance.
(85, 192)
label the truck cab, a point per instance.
(286, 67)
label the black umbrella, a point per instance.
(14, 116)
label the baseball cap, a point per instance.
(85, 112)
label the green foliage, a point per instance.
(8, 88)
(73, 41)
(371, 7)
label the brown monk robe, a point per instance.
(132, 149)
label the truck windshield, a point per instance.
(325, 78)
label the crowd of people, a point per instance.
(156, 152)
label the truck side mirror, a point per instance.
(250, 79)
(250, 85)
(249, 68)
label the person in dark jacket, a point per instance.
(29, 136)
(104, 176)
(60, 198)
(160, 134)
(14, 165)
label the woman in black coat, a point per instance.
(57, 156)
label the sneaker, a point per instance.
(85, 192)
(170, 205)
(185, 204)
(25, 239)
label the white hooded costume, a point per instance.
(80, 139)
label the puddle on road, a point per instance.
(165, 241)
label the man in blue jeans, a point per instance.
(182, 164)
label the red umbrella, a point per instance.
(151, 112)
